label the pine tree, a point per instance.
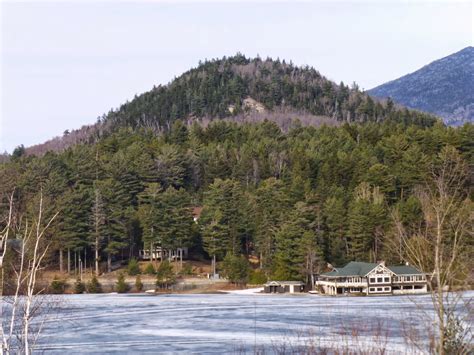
(98, 220)
(165, 276)
(236, 269)
(93, 286)
(271, 202)
(336, 243)
(221, 222)
(121, 286)
(367, 217)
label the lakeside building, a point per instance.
(284, 287)
(371, 279)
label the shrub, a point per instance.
(236, 269)
(121, 286)
(133, 267)
(57, 286)
(93, 286)
(165, 276)
(187, 269)
(257, 277)
(150, 269)
(79, 286)
(138, 284)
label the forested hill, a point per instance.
(242, 89)
(219, 88)
(444, 87)
(295, 200)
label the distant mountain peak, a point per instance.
(444, 87)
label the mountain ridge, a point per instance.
(444, 87)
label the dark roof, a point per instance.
(284, 283)
(354, 268)
(358, 268)
(404, 270)
(197, 211)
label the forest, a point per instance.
(293, 200)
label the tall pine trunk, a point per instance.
(61, 260)
(68, 260)
(96, 257)
(109, 262)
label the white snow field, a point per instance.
(233, 323)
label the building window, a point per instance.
(379, 279)
(372, 280)
(387, 279)
(372, 289)
(379, 289)
(387, 288)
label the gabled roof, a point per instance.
(404, 270)
(282, 283)
(358, 268)
(354, 268)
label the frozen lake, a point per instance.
(230, 323)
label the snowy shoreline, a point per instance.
(248, 291)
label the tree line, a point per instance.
(294, 200)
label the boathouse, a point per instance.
(371, 279)
(283, 287)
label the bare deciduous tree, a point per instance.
(25, 303)
(441, 244)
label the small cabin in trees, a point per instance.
(372, 279)
(162, 254)
(197, 210)
(283, 287)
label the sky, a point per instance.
(63, 64)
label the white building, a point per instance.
(371, 279)
(161, 254)
(283, 287)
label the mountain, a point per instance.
(241, 89)
(444, 87)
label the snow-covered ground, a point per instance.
(247, 291)
(235, 322)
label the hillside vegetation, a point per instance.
(295, 200)
(242, 89)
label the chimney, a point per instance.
(382, 262)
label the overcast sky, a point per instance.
(63, 64)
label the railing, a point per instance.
(397, 280)
(341, 284)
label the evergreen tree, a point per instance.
(98, 219)
(165, 276)
(93, 286)
(121, 286)
(336, 243)
(271, 203)
(236, 269)
(221, 222)
(367, 218)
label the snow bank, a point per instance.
(248, 291)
